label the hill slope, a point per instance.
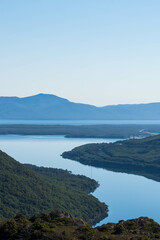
(51, 107)
(139, 156)
(31, 190)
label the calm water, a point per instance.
(78, 122)
(128, 196)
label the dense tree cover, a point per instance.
(139, 156)
(62, 226)
(32, 190)
(85, 131)
(60, 176)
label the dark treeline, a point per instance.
(84, 131)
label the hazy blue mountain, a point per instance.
(47, 106)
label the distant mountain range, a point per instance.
(51, 107)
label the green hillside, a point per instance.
(29, 192)
(139, 156)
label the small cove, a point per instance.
(128, 196)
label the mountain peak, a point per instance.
(44, 96)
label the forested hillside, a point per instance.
(32, 190)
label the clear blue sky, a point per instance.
(91, 51)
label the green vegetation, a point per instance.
(88, 131)
(31, 190)
(138, 156)
(58, 225)
(60, 176)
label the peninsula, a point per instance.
(137, 156)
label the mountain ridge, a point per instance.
(51, 107)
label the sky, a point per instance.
(99, 52)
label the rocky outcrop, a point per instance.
(60, 225)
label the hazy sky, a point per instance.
(92, 51)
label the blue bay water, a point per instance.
(128, 196)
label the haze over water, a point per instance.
(78, 122)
